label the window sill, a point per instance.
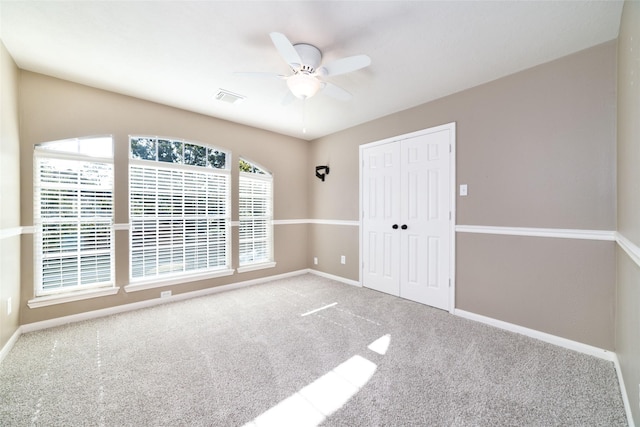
(253, 267)
(48, 300)
(175, 280)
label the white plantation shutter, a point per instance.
(256, 241)
(73, 218)
(179, 219)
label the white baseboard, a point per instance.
(623, 390)
(561, 342)
(9, 345)
(36, 326)
(542, 336)
(336, 278)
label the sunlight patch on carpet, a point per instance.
(381, 345)
(319, 309)
(315, 402)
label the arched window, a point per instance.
(179, 196)
(256, 217)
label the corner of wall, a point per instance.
(627, 308)
(9, 198)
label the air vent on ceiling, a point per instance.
(229, 97)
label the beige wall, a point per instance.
(329, 243)
(9, 196)
(627, 337)
(569, 296)
(53, 109)
(537, 149)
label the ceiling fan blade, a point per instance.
(335, 91)
(345, 65)
(259, 75)
(286, 49)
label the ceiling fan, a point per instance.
(308, 75)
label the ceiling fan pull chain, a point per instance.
(304, 115)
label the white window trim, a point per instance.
(43, 297)
(268, 177)
(48, 300)
(256, 266)
(143, 283)
(176, 280)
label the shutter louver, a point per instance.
(179, 220)
(255, 219)
(74, 222)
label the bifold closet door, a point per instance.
(424, 243)
(406, 218)
(381, 216)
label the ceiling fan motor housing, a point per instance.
(310, 57)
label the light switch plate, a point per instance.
(463, 189)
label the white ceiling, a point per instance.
(180, 53)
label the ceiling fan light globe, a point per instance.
(303, 85)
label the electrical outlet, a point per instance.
(343, 259)
(9, 305)
(315, 260)
(165, 294)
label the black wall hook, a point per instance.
(322, 175)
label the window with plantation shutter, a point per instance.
(256, 217)
(179, 196)
(73, 215)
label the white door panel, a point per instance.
(381, 207)
(425, 186)
(407, 182)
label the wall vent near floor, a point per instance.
(229, 97)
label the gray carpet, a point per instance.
(262, 355)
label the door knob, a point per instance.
(394, 226)
(404, 226)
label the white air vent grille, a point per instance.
(229, 97)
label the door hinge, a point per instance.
(449, 215)
(449, 282)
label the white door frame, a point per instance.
(452, 199)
